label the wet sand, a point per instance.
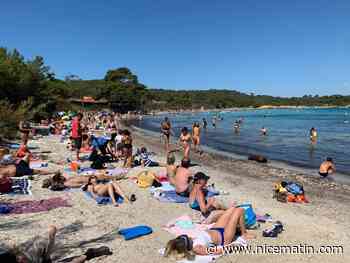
(323, 221)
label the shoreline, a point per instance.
(308, 172)
(256, 171)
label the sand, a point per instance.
(323, 221)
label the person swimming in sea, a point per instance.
(327, 167)
(236, 127)
(263, 131)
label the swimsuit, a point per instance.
(221, 231)
(22, 168)
(323, 174)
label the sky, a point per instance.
(274, 47)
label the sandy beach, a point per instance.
(324, 221)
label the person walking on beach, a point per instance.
(196, 136)
(185, 142)
(77, 133)
(327, 167)
(166, 130)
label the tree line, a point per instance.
(29, 89)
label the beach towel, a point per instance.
(134, 232)
(103, 200)
(171, 196)
(184, 225)
(21, 186)
(38, 164)
(35, 206)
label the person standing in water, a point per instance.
(196, 136)
(205, 123)
(313, 134)
(327, 167)
(263, 131)
(213, 121)
(166, 129)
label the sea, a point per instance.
(287, 139)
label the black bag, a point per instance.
(98, 163)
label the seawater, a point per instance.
(288, 134)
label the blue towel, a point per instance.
(134, 232)
(103, 200)
(173, 197)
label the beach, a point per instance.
(324, 221)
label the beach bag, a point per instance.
(249, 215)
(295, 188)
(145, 179)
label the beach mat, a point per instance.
(38, 164)
(35, 206)
(102, 200)
(21, 186)
(167, 193)
(134, 232)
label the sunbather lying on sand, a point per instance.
(222, 233)
(210, 208)
(21, 168)
(40, 248)
(60, 182)
(111, 190)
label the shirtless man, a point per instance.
(182, 179)
(166, 129)
(196, 136)
(327, 167)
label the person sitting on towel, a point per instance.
(182, 179)
(145, 159)
(198, 199)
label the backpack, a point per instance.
(249, 215)
(295, 188)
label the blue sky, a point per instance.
(275, 47)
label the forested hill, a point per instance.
(161, 99)
(30, 90)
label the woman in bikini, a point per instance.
(185, 142)
(111, 190)
(222, 233)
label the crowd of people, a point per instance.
(83, 132)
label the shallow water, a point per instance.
(288, 134)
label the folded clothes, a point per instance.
(134, 232)
(21, 186)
